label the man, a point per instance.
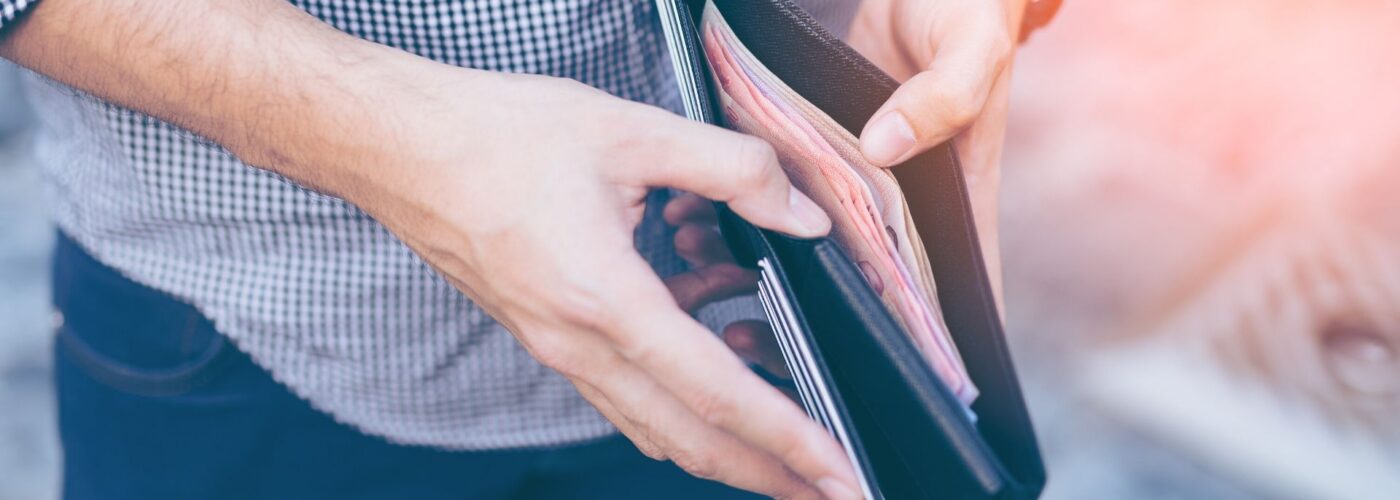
(368, 198)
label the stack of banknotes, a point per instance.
(870, 219)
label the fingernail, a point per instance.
(888, 139)
(809, 215)
(834, 490)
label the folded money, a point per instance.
(870, 218)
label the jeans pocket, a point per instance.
(120, 372)
(128, 336)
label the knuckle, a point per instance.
(556, 357)
(582, 306)
(961, 105)
(714, 408)
(754, 161)
(697, 463)
(641, 350)
(792, 444)
(644, 444)
(651, 450)
(647, 139)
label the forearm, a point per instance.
(273, 85)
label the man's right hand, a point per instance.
(533, 218)
(522, 190)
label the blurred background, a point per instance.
(28, 440)
(1201, 241)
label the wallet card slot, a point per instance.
(793, 337)
(786, 346)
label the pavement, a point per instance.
(29, 455)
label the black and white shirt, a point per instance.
(315, 291)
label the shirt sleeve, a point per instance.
(10, 10)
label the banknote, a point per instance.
(870, 219)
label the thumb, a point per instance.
(940, 102)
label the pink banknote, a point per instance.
(870, 219)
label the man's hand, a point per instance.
(954, 58)
(523, 191)
(534, 221)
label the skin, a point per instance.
(370, 124)
(954, 59)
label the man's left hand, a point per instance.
(954, 59)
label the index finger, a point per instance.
(739, 169)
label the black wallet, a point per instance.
(864, 379)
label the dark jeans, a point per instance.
(154, 404)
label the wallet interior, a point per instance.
(915, 434)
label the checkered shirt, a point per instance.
(323, 297)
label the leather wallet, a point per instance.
(864, 379)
